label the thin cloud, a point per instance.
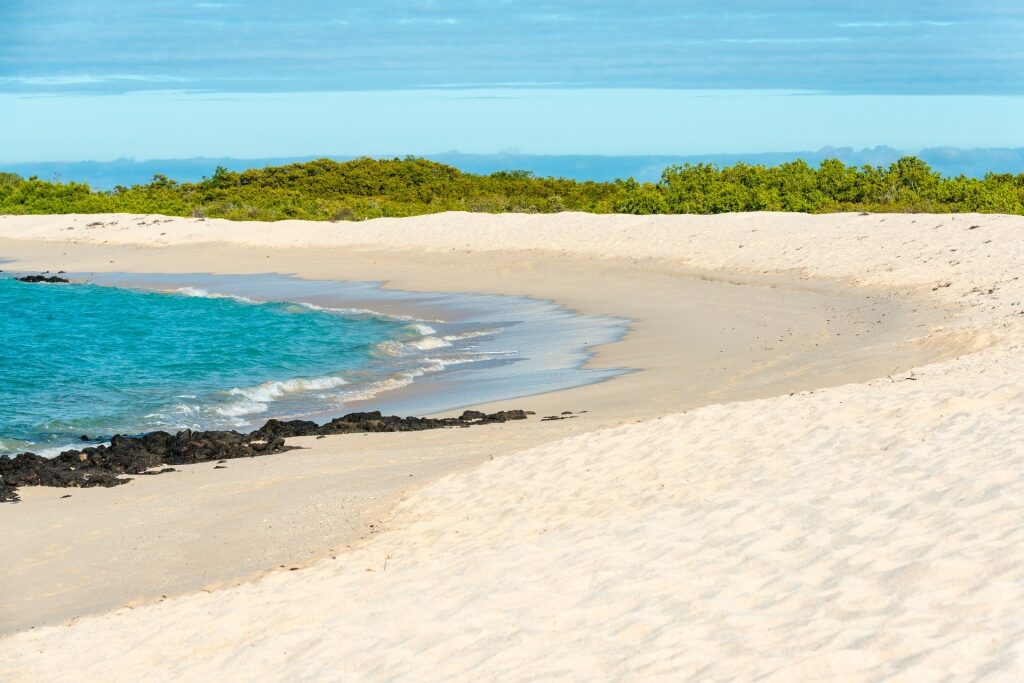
(894, 24)
(361, 44)
(549, 17)
(507, 84)
(88, 79)
(447, 21)
(784, 41)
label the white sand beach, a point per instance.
(814, 473)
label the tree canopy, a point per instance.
(371, 188)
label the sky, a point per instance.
(172, 79)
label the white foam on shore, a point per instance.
(473, 335)
(270, 391)
(430, 340)
(248, 402)
(371, 313)
(257, 399)
(404, 379)
(473, 357)
(398, 381)
(200, 293)
(422, 329)
(428, 343)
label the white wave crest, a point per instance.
(398, 381)
(201, 293)
(422, 329)
(397, 348)
(462, 360)
(472, 335)
(427, 343)
(257, 399)
(240, 407)
(271, 391)
(417, 325)
(368, 312)
(404, 379)
(376, 388)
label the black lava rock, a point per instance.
(137, 455)
(53, 279)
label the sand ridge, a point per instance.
(858, 532)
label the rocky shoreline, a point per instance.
(138, 455)
(52, 279)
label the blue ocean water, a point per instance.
(134, 353)
(85, 359)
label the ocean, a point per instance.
(134, 353)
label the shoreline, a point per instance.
(753, 335)
(470, 349)
(150, 453)
(532, 272)
(732, 470)
(521, 338)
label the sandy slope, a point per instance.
(860, 532)
(696, 338)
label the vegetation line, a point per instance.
(372, 188)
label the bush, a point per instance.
(371, 188)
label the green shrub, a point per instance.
(372, 188)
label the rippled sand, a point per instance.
(861, 532)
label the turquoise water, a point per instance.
(84, 359)
(132, 353)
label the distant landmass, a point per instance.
(949, 161)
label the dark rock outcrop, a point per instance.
(357, 423)
(52, 279)
(102, 465)
(135, 455)
(8, 493)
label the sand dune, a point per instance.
(860, 532)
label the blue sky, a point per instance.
(106, 78)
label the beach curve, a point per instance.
(883, 514)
